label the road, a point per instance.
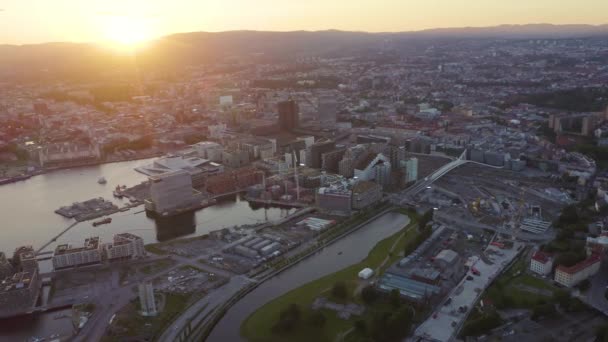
(206, 304)
(110, 297)
(596, 294)
(473, 225)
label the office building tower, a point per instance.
(288, 115)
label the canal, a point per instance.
(345, 252)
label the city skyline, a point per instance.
(130, 22)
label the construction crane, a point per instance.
(521, 206)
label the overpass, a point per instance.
(402, 197)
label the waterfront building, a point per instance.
(68, 153)
(66, 256)
(124, 246)
(24, 259)
(146, 299)
(19, 293)
(6, 269)
(198, 168)
(171, 191)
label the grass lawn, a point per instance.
(507, 290)
(156, 266)
(129, 323)
(156, 248)
(258, 326)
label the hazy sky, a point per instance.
(33, 21)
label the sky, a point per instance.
(36, 21)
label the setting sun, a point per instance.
(125, 31)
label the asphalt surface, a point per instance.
(206, 304)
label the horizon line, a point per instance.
(318, 31)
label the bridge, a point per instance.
(402, 197)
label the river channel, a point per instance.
(353, 248)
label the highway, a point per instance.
(199, 311)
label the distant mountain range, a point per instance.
(78, 60)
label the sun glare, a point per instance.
(126, 33)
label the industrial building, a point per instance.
(409, 288)
(66, 256)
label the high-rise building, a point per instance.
(330, 161)
(146, 299)
(411, 169)
(288, 115)
(317, 150)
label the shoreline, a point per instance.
(45, 170)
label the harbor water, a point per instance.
(28, 218)
(28, 207)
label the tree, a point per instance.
(360, 327)
(339, 290)
(395, 298)
(584, 285)
(288, 319)
(369, 294)
(317, 319)
(569, 215)
(391, 326)
(561, 297)
(569, 258)
(543, 311)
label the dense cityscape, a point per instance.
(451, 189)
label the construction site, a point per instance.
(506, 201)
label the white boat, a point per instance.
(102, 180)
